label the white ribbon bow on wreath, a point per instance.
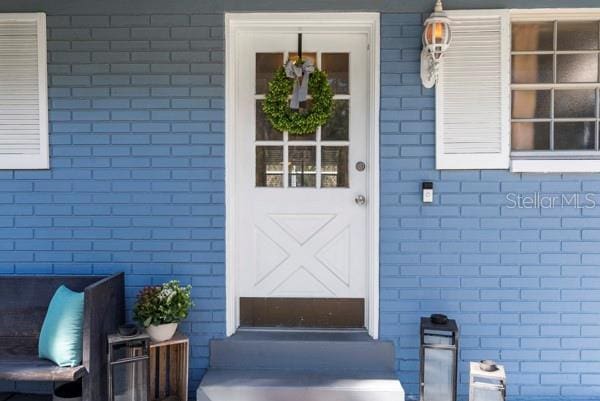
(300, 74)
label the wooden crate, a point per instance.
(169, 362)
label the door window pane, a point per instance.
(336, 129)
(312, 56)
(531, 69)
(336, 65)
(533, 36)
(304, 137)
(302, 162)
(334, 167)
(264, 129)
(574, 135)
(577, 68)
(530, 136)
(266, 65)
(531, 103)
(304, 107)
(577, 35)
(269, 166)
(575, 103)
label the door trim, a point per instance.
(237, 24)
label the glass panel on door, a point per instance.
(314, 160)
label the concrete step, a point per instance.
(285, 385)
(307, 351)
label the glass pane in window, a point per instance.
(269, 166)
(304, 107)
(304, 137)
(531, 104)
(336, 65)
(530, 69)
(305, 56)
(574, 135)
(530, 136)
(334, 166)
(533, 36)
(302, 162)
(577, 35)
(577, 68)
(575, 103)
(264, 130)
(336, 128)
(266, 65)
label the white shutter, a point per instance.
(473, 93)
(23, 92)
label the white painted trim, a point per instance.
(39, 161)
(235, 25)
(554, 166)
(552, 14)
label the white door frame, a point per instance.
(237, 24)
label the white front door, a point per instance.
(302, 202)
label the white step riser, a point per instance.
(295, 394)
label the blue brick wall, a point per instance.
(524, 284)
(137, 185)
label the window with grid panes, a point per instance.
(316, 160)
(555, 89)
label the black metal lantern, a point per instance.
(128, 367)
(439, 358)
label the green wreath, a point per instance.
(277, 108)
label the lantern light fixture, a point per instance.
(487, 381)
(437, 36)
(439, 358)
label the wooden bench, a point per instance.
(24, 301)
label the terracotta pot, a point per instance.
(162, 332)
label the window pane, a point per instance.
(266, 65)
(269, 166)
(336, 128)
(304, 107)
(577, 36)
(530, 69)
(264, 130)
(336, 65)
(304, 137)
(531, 104)
(305, 56)
(575, 103)
(577, 67)
(302, 161)
(530, 136)
(334, 167)
(574, 135)
(533, 36)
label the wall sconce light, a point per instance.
(436, 39)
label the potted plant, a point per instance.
(160, 309)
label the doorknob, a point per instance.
(360, 200)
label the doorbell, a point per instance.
(427, 192)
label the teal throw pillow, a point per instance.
(61, 338)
